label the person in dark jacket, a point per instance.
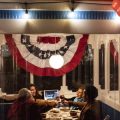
(90, 110)
(26, 108)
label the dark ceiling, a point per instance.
(33, 1)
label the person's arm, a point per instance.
(51, 103)
(45, 105)
(9, 97)
(79, 104)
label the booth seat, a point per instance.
(4, 107)
(107, 110)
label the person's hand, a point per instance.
(3, 96)
(62, 97)
(66, 102)
(52, 102)
(9, 97)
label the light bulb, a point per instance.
(56, 61)
(26, 16)
(71, 15)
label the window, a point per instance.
(113, 67)
(102, 66)
(13, 77)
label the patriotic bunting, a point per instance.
(32, 52)
(113, 50)
(116, 6)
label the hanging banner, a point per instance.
(32, 52)
(114, 50)
(116, 6)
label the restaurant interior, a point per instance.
(60, 46)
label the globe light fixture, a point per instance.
(56, 61)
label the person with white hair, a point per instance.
(26, 108)
(24, 93)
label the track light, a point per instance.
(72, 5)
(26, 11)
(26, 15)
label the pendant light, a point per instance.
(56, 61)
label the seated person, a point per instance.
(35, 92)
(90, 108)
(78, 98)
(26, 108)
(91, 111)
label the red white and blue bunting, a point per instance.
(32, 51)
(116, 6)
(114, 50)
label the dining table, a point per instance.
(61, 114)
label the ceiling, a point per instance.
(46, 4)
(34, 1)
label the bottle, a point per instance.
(107, 117)
(0, 92)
